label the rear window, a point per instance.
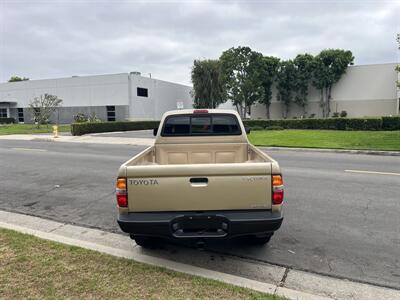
(213, 124)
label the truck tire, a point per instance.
(145, 241)
(261, 239)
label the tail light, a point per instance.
(121, 192)
(277, 189)
(200, 111)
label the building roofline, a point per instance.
(377, 64)
(96, 75)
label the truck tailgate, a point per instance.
(199, 187)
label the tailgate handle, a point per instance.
(199, 181)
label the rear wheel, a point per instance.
(260, 239)
(146, 241)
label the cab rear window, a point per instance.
(189, 125)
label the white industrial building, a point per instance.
(365, 90)
(112, 97)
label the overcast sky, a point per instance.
(48, 39)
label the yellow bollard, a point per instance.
(55, 131)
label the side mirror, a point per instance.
(155, 131)
(248, 130)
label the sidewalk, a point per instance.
(293, 284)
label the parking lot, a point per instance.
(340, 219)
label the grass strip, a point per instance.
(34, 268)
(334, 139)
(6, 129)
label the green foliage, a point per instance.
(17, 78)
(384, 123)
(94, 127)
(268, 74)
(343, 114)
(42, 108)
(241, 71)
(7, 120)
(391, 123)
(335, 115)
(274, 128)
(304, 65)
(207, 85)
(80, 118)
(286, 84)
(329, 66)
(329, 123)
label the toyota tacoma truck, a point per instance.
(201, 179)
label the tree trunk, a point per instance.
(328, 102)
(268, 114)
(322, 103)
(287, 108)
(238, 109)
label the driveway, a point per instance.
(337, 222)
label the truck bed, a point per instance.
(241, 182)
(184, 154)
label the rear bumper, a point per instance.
(208, 224)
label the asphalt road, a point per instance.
(336, 222)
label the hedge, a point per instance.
(384, 123)
(7, 120)
(84, 128)
(391, 123)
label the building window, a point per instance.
(142, 92)
(21, 115)
(3, 113)
(110, 113)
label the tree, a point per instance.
(398, 66)
(268, 73)
(17, 78)
(207, 85)
(240, 70)
(43, 107)
(304, 65)
(329, 66)
(286, 84)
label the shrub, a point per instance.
(257, 128)
(84, 128)
(335, 115)
(7, 120)
(80, 118)
(311, 116)
(330, 123)
(391, 123)
(274, 128)
(343, 114)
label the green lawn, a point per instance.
(32, 268)
(31, 128)
(335, 139)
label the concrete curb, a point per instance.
(99, 139)
(53, 233)
(307, 285)
(80, 139)
(367, 152)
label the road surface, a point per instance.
(341, 210)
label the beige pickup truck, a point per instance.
(201, 179)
